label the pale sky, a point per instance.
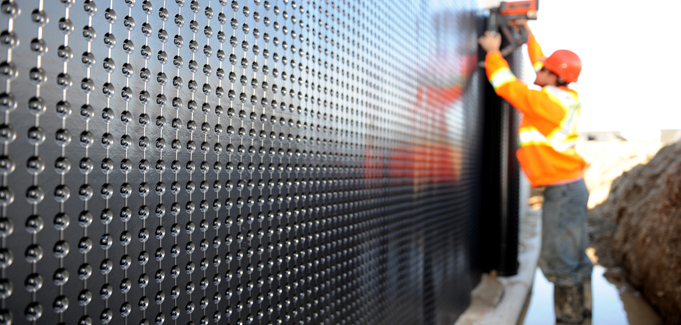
(631, 77)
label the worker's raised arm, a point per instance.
(535, 52)
(533, 48)
(506, 84)
(530, 102)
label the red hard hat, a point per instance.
(566, 64)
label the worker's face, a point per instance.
(545, 78)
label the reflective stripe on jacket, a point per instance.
(548, 129)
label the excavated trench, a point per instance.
(635, 232)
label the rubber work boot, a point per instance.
(588, 300)
(568, 303)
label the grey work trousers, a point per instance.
(563, 259)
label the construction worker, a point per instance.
(547, 155)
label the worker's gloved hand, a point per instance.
(521, 23)
(490, 42)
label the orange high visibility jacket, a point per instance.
(548, 129)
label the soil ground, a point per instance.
(607, 161)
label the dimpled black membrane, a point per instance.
(238, 162)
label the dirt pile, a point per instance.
(606, 161)
(639, 228)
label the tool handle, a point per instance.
(515, 42)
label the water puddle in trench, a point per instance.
(614, 304)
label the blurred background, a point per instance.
(630, 53)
